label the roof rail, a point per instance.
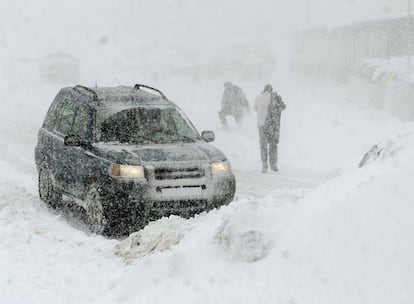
(79, 87)
(139, 86)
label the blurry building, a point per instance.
(335, 51)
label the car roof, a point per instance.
(117, 96)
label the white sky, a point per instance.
(161, 30)
(187, 21)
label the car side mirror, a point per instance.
(73, 141)
(208, 136)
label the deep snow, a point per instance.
(321, 230)
(348, 240)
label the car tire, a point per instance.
(95, 211)
(47, 191)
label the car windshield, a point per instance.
(143, 125)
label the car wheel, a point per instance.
(47, 191)
(95, 211)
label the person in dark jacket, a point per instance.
(269, 106)
(233, 103)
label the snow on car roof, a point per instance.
(124, 94)
(120, 96)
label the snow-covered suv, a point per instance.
(128, 156)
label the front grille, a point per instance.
(178, 173)
(179, 205)
(183, 208)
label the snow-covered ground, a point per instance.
(321, 230)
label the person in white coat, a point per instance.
(269, 106)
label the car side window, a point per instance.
(67, 116)
(80, 126)
(52, 113)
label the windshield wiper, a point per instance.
(187, 138)
(143, 137)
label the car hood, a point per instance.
(153, 154)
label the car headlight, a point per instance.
(128, 171)
(221, 168)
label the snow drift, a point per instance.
(348, 241)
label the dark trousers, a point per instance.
(223, 113)
(268, 150)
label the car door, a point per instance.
(61, 157)
(80, 161)
(70, 160)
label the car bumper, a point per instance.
(132, 204)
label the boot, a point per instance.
(275, 169)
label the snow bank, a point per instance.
(249, 246)
(385, 84)
(43, 259)
(348, 241)
(357, 244)
(156, 237)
